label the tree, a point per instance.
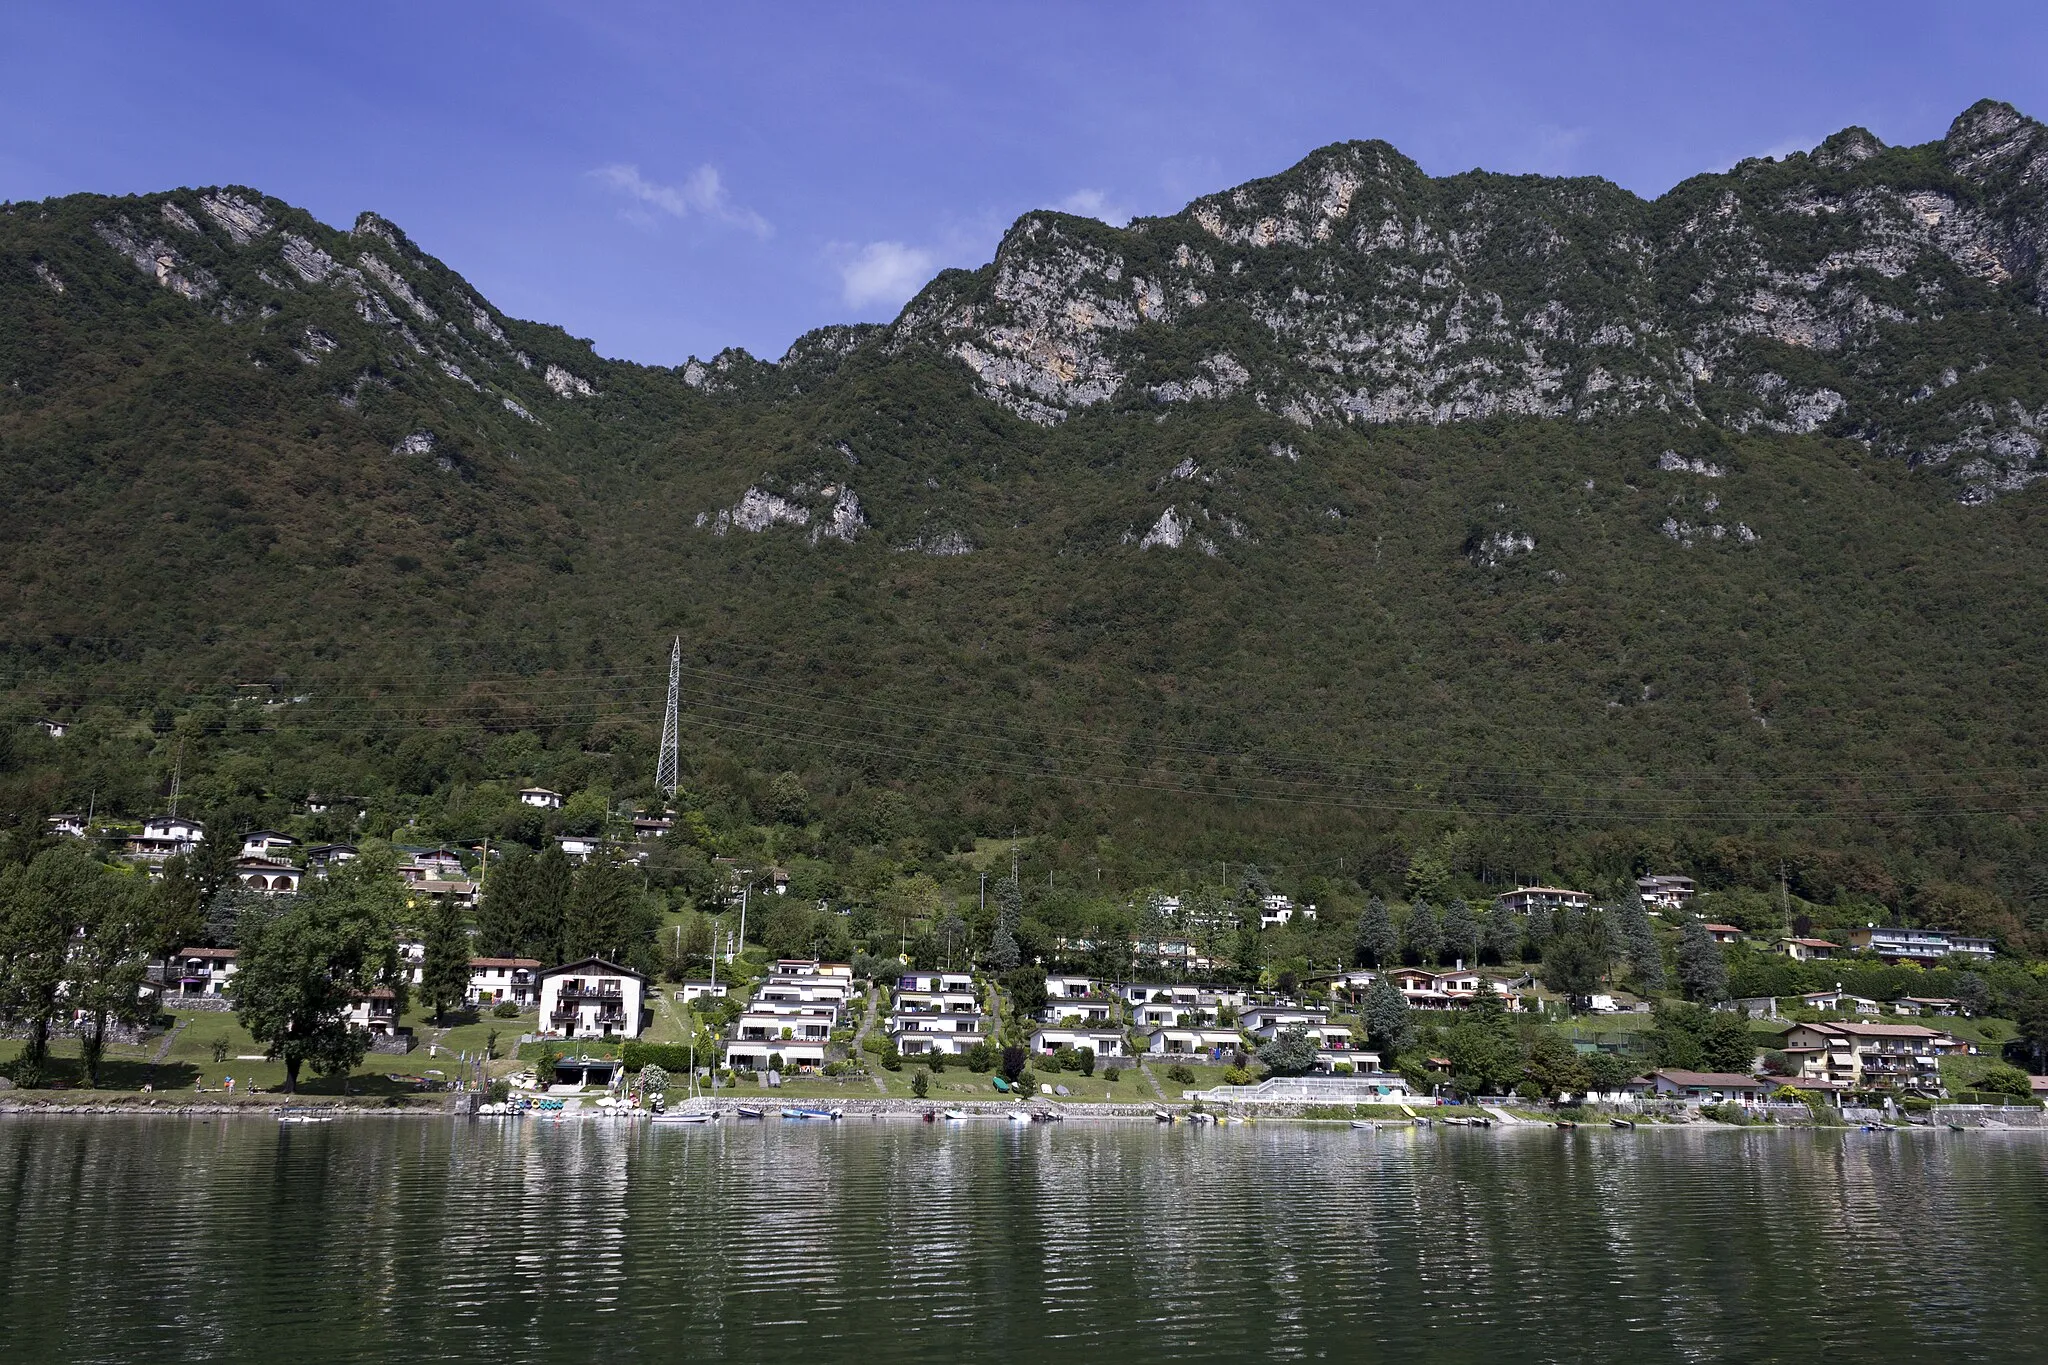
(1003, 955)
(789, 803)
(1639, 943)
(1702, 973)
(2000, 1079)
(1695, 1038)
(444, 970)
(952, 935)
(304, 963)
(1026, 988)
(607, 915)
(1291, 1052)
(109, 962)
(1726, 1044)
(1607, 1072)
(1481, 1046)
(1573, 966)
(1388, 1026)
(1460, 933)
(1501, 936)
(41, 906)
(920, 1086)
(1973, 994)
(1420, 936)
(1554, 1065)
(1376, 944)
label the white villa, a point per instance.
(592, 999)
(1107, 1042)
(494, 980)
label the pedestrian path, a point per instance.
(1501, 1116)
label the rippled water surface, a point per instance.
(419, 1240)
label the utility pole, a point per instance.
(743, 914)
(665, 769)
(984, 893)
(177, 773)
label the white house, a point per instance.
(698, 990)
(377, 1012)
(540, 797)
(579, 848)
(800, 1034)
(166, 836)
(53, 728)
(73, 825)
(1102, 1042)
(936, 981)
(1192, 1042)
(494, 980)
(1525, 900)
(1665, 892)
(1069, 987)
(321, 857)
(271, 876)
(592, 998)
(201, 971)
(267, 843)
(1808, 949)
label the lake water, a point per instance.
(395, 1239)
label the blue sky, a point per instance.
(669, 180)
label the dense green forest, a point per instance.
(276, 525)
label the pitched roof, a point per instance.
(1713, 1080)
(504, 962)
(596, 965)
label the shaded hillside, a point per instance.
(1344, 517)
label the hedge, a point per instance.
(672, 1057)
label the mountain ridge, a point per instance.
(1600, 600)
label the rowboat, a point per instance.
(305, 1118)
(1364, 1123)
(748, 1111)
(700, 1117)
(1622, 1123)
(1162, 1115)
(812, 1113)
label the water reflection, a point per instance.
(393, 1238)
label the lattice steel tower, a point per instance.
(665, 769)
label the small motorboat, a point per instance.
(1162, 1116)
(694, 1116)
(1366, 1124)
(1621, 1123)
(1047, 1116)
(302, 1117)
(748, 1111)
(1019, 1116)
(813, 1113)
(1567, 1123)
(957, 1116)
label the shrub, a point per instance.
(981, 1058)
(505, 1009)
(892, 1060)
(1342, 1069)
(1180, 1073)
(1027, 1081)
(1529, 1090)
(636, 1056)
(653, 1080)
(1014, 1061)
(775, 1061)
(1112, 1074)
(936, 1060)
(1065, 1059)
(1916, 1104)
(919, 1085)
(1087, 1056)
(499, 1092)
(2000, 1079)
(874, 1043)
(1237, 1075)
(491, 1046)
(220, 1051)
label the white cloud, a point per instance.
(702, 195)
(884, 272)
(1095, 204)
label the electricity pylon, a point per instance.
(665, 769)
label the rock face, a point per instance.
(1843, 291)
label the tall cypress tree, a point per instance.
(1702, 972)
(1376, 943)
(1421, 938)
(1639, 943)
(1460, 933)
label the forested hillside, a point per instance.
(1390, 532)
